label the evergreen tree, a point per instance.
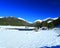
(50, 25)
(44, 24)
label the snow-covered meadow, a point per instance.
(28, 39)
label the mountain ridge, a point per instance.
(34, 21)
(22, 22)
(12, 21)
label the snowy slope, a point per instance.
(1, 17)
(49, 21)
(28, 39)
(47, 18)
(51, 18)
(38, 20)
(55, 18)
(24, 20)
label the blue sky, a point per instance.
(30, 10)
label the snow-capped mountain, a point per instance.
(49, 19)
(24, 20)
(20, 21)
(46, 18)
(38, 20)
(48, 22)
(55, 18)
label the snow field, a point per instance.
(28, 39)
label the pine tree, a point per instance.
(51, 25)
(44, 24)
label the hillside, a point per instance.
(50, 23)
(12, 21)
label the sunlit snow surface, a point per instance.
(28, 39)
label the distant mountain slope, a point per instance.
(12, 21)
(49, 22)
